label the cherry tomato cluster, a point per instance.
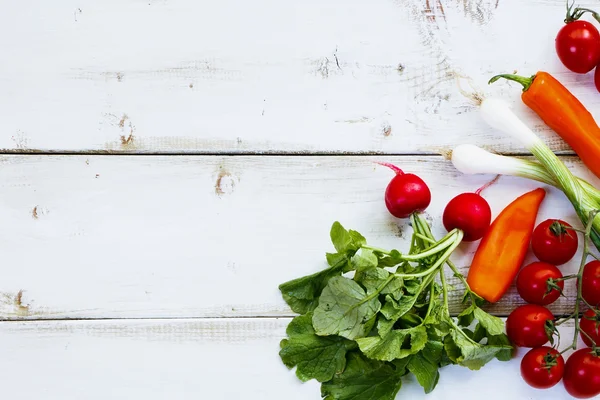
(554, 242)
(578, 43)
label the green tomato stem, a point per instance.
(584, 256)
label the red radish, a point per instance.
(470, 213)
(406, 193)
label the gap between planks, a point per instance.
(288, 316)
(301, 153)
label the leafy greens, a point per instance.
(375, 316)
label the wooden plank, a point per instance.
(206, 236)
(191, 359)
(308, 76)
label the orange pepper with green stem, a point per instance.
(562, 112)
(503, 248)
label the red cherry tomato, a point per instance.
(589, 324)
(532, 283)
(526, 325)
(578, 46)
(590, 288)
(542, 367)
(597, 78)
(553, 241)
(582, 374)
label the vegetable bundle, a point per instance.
(376, 315)
(540, 283)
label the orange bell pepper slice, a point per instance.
(502, 249)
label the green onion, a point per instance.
(584, 198)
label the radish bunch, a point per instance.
(469, 212)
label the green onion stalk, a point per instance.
(548, 169)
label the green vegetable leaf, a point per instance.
(508, 352)
(344, 309)
(302, 294)
(340, 237)
(425, 371)
(315, 357)
(372, 279)
(492, 324)
(384, 326)
(393, 310)
(433, 351)
(344, 240)
(470, 354)
(389, 260)
(466, 317)
(337, 260)
(363, 260)
(479, 333)
(397, 343)
(452, 350)
(364, 379)
(358, 240)
(412, 286)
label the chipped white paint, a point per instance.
(210, 236)
(203, 76)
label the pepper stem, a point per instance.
(523, 80)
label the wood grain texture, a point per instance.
(187, 76)
(210, 236)
(197, 358)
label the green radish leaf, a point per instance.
(336, 260)
(363, 260)
(393, 309)
(315, 357)
(389, 260)
(479, 333)
(340, 237)
(384, 326)
(452, 350)
(492, 324)
(344, 240)
(466, 317)
(302, 294)
(412, 286)
(502, 340)
(364, 379)
(344, 309)
(425, 371)
(398, 343)
(472, 355)
(433, 351)
(358, 240)
(372, 279)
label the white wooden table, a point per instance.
(168, 163)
